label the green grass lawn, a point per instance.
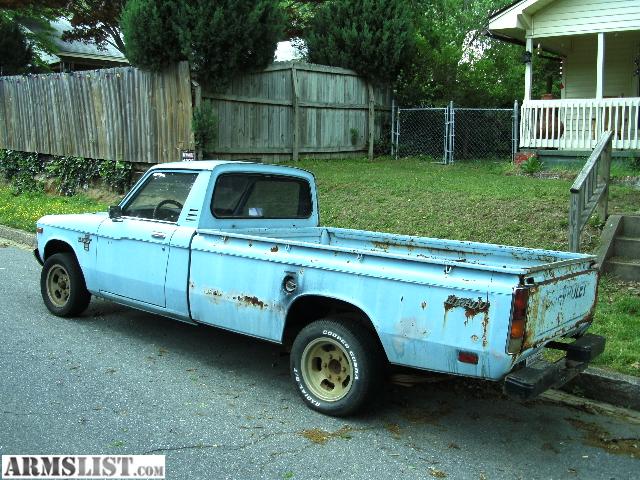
(481, 201)
(22, 211)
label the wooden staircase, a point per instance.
(620, 251)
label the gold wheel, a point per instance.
(58, 285)
(327, 369)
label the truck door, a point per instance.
(132, 251)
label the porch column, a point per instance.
(528, 70)
(600, 68)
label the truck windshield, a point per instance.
(248, 195)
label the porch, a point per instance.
(578, 124)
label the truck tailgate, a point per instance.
(559, 304)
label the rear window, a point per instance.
(245, 195)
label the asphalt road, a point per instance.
(219, 405)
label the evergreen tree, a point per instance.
(15, 52)
(226, 37)
(220, 38)
(373, 37)
(151, 33)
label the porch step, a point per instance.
(623, 268)
(631, 226)
(627, 247)
(620, 253)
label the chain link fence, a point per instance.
(454, 133)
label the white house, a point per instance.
(599, 44)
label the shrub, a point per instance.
(25, 172)
(205, 126)
(532, 165)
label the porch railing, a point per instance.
(590, 190)
(578, 124)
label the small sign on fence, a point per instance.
(187, 155)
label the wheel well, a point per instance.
(309, 308)
(57, 246)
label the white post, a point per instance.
(600, 68)
(528, 70)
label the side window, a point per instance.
(161, 197)
(245, 195)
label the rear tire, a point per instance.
(335, 365)
(62, 286)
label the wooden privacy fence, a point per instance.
(112, 114)
(293, 109)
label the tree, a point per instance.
(299, 15)
(151, 33)
(226, 37)
(34, 17)
(219, 38)
(373, 37)
(96, 21)
(15, 52)
(454, 59)
(32, 4)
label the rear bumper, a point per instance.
(531, 381)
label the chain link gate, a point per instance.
(420, 131)
(455, 133)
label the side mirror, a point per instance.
(115, 212)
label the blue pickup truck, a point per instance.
(238, 245)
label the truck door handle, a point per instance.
(158, 235)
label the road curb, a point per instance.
(18, 236)
(607, 386)
(594, 383)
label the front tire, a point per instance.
(62, 286)
(335, 365)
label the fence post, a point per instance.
(197, 90)
(295, 148)
(515, 130)
(451, 133)
(393, 111)
(372, 118)
(397, 139)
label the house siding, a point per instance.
(573, 17)
(580, 66)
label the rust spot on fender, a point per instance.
(485, 325)
(252, 301)
(384, 246)
(423, 305)
(213, 293)
(274, 249)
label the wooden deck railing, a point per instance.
(590, 190)
(578, 124)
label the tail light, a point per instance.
(518, 319)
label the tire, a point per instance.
(335, 365)
(62, 286)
